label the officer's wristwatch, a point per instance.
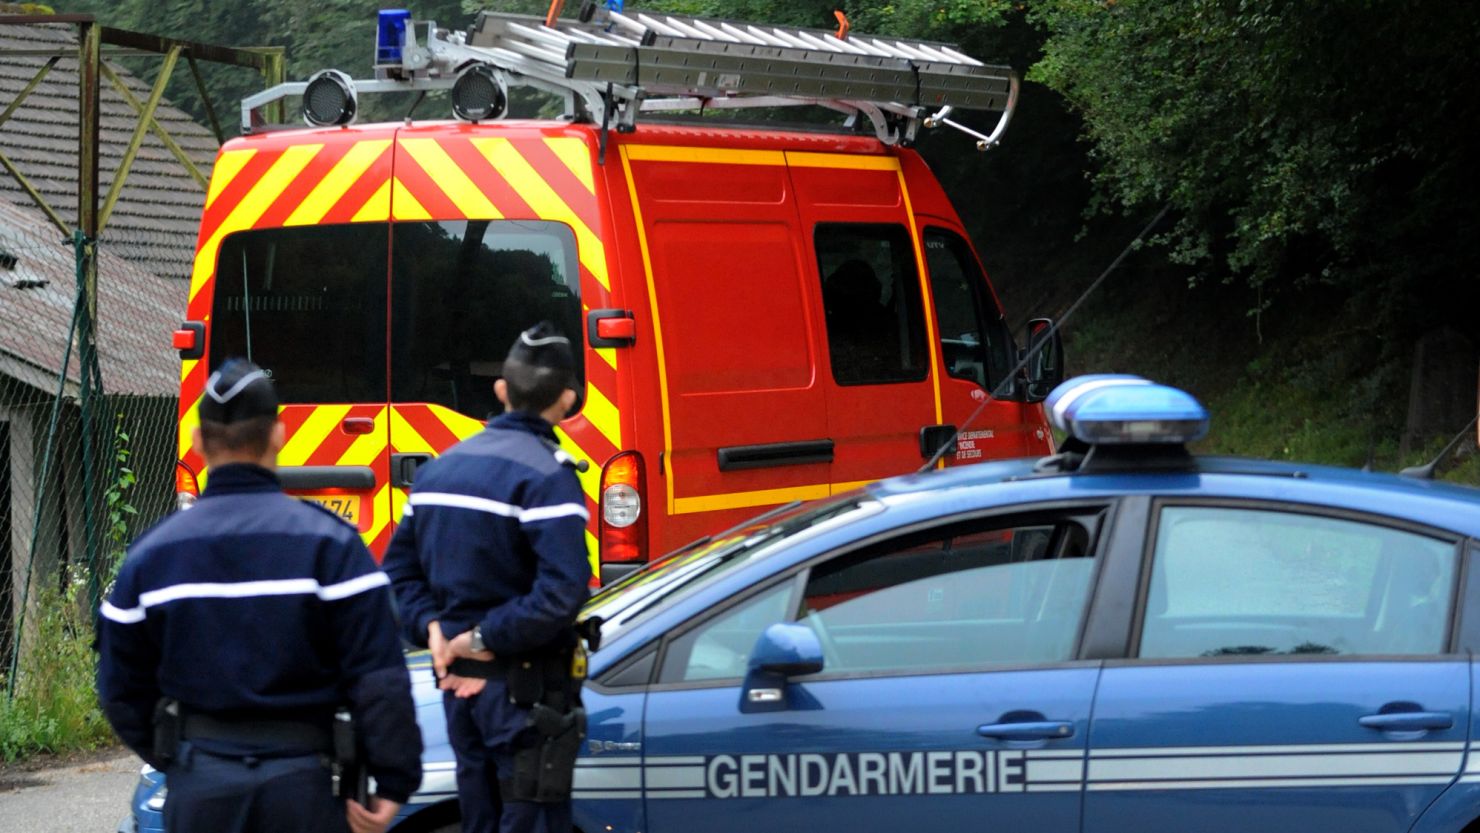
(475, 640)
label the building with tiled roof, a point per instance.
(155, 222)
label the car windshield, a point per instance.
(686, 570)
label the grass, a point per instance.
(54, 707)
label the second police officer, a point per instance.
(489, 566)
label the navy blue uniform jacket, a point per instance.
(253, 604)
(494, 534)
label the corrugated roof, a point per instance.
(155, 222)
(137, 311)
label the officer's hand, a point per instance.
(463, 687)
(364, 821)
(461, 647)
(438, 646)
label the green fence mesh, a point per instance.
(87, 423)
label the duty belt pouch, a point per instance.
(168, 725)
(526, 682)
(543, 770)
(351, 778)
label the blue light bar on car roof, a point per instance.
(1112, 409)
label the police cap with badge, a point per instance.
(238, 391)
(542, 346)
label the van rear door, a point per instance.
(880, 378)
(291, 274)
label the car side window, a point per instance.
(872, 303)
(971, 595)
(719, 649)
(1239, 582)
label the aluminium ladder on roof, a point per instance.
(618, 65)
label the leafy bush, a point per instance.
(54, 707)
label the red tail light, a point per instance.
(623, 523)
(187, 487)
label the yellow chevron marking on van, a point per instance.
(576, 156)
(600, 412)
(717, 156)
(453, 181)
(312, 433)
(647, 269)
(406, 438)
(741, 500)
(187, 422)
(332, 188)
(366, 447)
(251, 208)
(591, 477)
(547, 204)
(592, 547)
(382, 503)
(404, 205)
(377, 209)
(608, 355)
(228, 165)
(842, 160)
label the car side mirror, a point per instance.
(781, 651)
(1045, 370)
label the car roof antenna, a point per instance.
(1011, 376)
(1427, 470)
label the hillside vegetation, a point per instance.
(1317, 158)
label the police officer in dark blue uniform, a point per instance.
(489, 565)
(235, 632)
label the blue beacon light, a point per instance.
(1126, 410)
(390, 34)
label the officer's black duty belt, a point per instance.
(482, 669)
(260, 733)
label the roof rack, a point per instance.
(615, 66)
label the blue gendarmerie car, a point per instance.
(1122, 637)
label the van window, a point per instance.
(462, 291)
(308, 305)
(973, 337)
(871, 300)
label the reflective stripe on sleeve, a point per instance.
(545, 513)
(132, 616)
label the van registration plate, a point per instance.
(345, 506)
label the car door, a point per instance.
(1290, 670)
(949, 689)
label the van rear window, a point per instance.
(871, 300)
(462, 291)
(308, 305)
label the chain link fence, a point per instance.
(88, 411)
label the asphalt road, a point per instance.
(85, 796)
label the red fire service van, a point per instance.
(767, 314)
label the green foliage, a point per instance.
(121, 512)
(1299, 141)
(53, 707)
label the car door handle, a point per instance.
(1407, 721)
(1028, 730)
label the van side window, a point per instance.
(462, 291)
(871, 300)
(307, 304)
(974, 339)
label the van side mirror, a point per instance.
(1045, 368)
(781, 651)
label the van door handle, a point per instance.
(1407, 721)
(932, 437)
(1029, 730)
(404, 466)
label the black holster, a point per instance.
(347, 765)
(545, 753)
(168, 730)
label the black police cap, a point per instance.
(238, 391)
(543, 346)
